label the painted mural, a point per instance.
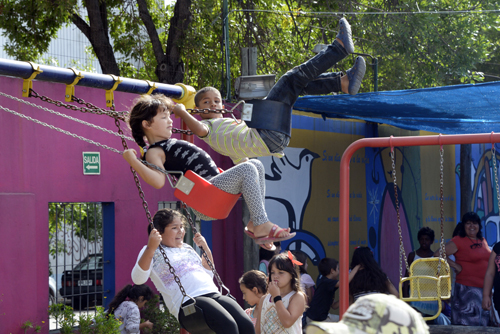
(484, 200)
(417, 191)
(302, 189)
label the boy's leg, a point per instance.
(292, 83)
(335, 82)
(325, 83)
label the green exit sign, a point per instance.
(91, 163)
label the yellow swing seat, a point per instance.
(427, 284)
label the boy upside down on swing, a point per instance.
(239, 142)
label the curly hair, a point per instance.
(165, 217)
(470, 217)
(146, 108)
(426, 231)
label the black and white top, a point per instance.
(183, 156)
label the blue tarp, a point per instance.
(448, 110)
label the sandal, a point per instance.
(355, 75)
(267, 246)
(274, 235)
(345, 35)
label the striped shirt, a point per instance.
(235, 139)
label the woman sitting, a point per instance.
(370, 278)
(471, 261)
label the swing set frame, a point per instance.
(345, 183)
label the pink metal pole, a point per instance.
(344, 187)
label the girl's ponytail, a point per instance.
(120, 297)
(133, 293)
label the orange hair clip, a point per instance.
(290, 256)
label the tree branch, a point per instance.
(81, 24)
(151, 29)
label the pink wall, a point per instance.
(39, 165)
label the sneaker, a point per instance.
(345, 35)
(355, 75)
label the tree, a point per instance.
(31, 25)
(82, 220)
(418, 45)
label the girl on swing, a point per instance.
(222, 314)
(150, 118)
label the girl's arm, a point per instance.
(450, 249)
(197, 127)
(351, 274)
(153, 243)
(309, 295)
(392, 289)
(200, 241)
(295, 309)
(257, 313)
(488, 281)
(146, 324)
(156, 156)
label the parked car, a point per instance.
(84, 285)
(52, 291)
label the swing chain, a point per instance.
(88, 109)
(495, 171)
(209, 111)
(148, 214)
(442, 249)
(204, 254)
(441, 191)
(402, 255)
(185, 132)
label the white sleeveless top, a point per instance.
(270, 322)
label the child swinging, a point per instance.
(150, 118)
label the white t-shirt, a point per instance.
(195, 279)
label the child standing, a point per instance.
(150, 118)
(237, 141)
(253, 285)
(125, 307)
(222, 314)
(281, 309)
(306, 281)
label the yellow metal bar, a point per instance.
(187, 97)
(70, 89)
(110, 99)
(28, 83)
(152, 87)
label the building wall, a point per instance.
(40, 165)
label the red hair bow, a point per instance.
(290, 256)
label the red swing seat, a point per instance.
(204, 197)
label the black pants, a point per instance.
(222, 314)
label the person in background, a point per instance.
(369, 278)
(253, 285)
(471, 262)
(126, 306)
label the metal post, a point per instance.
(487, 138)
(225, 34)
(375, 74)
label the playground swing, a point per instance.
(429, 278)
(197, 323)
